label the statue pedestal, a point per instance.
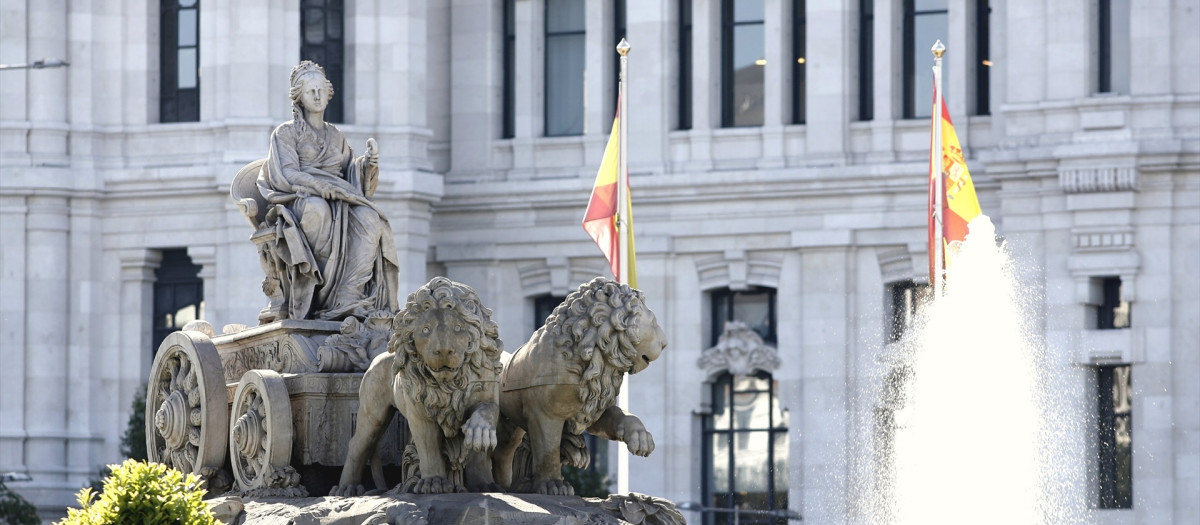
(454, 509)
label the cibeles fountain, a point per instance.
(345, 405)
(976, 420)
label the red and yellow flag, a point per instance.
(600, 220)
(959, 203)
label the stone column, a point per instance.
(136, 310)
(46, 308)
(818, 466)
(706, 82)
(777, 80)
(828, 80)
(476, 83)
(82, 327)
(653, 65)
(205, 256)
(47, 95)
(529, 65)
(599, 88)
(12, 335)
(886, 91)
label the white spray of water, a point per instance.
(980, 437)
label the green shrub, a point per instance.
(133, 443)
(15, 510)
(144, 493)
(587, 483)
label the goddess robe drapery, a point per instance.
(340, 256)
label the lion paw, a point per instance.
(347, 490)
(434, 485)
(479, 434)
(554, 487)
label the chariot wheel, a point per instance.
(260, 435)
(187, 415)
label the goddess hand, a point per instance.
(372, 152)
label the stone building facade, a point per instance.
(791, 190)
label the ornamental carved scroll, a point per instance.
(741, 351)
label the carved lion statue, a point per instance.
(565, 380)
(441, 372)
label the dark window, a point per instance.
(685, 64)
(906, 299)
(618, 34)
(543, 306)
(322, 42)
(510, 70)
(742, 61)
(178, 294)
(179, 61)
(866, 59)
(565, 32)
(1104, 47)
(983, 62)
(1115, 437)
(925, 22)
(1112, 312)
(746, 451)
(1112, 49)
(798, 46)
(755, 307)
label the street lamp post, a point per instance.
(38, 64)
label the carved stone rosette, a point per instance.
(186, 413)
(260, 436)
(741, 351)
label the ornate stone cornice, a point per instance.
(740, 351)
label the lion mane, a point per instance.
(600, 323)
(444, 402)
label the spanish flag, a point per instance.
(601, 219)
(959, 203)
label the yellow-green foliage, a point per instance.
(143, 493)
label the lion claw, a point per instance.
(347, 490)
(554, 487)
(434, 485)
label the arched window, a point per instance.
(746, 451)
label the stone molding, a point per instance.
(739, 270)
(740, 351)
(1093, 179)
(557, 275)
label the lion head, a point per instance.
(446, 347)
(610, 333)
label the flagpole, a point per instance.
(935, 167)
(623, 234)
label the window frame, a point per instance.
(910, 103)
(329, 53)
(176, 104)
(730, 296)
(1114, 460)
(548, 76)
(983, 67)
(799, 52)
(866, 60)
(176, 271)
(508, 29)
(723, 386)
(685, 65)
(728, 26)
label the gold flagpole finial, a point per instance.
(938, 49)
(623, 47)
